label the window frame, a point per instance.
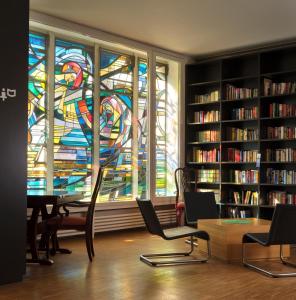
(151, 55)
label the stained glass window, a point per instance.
(36, 155)
(73, 109)
(161, 99)
(116, 101)
(142, 127)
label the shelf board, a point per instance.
(239, 100)
(238, 204)
(205, 183)
(237, 162)
(233, 142)
(274, 184)
(202, 163)
(266, 206)
(278, 162)
(207, 123)
(203, 143)
(276, 118)
(204, 103)
(278, 140)
(278, 73)
(234, 183)
(277, 96)
(239, 78)
(211, 82)
(234, 121)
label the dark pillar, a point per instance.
(14, 24)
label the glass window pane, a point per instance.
(73, 114)
(116, 102)
(37, 97)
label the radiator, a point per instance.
(114, 220)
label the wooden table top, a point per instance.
(234, 222)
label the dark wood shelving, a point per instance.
(237, 121)
(206, 123)
(213, 82)
(202, 163)
(244, 70)
(205, 103)
(239, 100)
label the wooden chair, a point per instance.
(68, 222)
(183, 184)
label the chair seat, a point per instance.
(66, 222)
(261, 238)
(184, 231)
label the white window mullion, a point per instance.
(135, 150)
(96, 115)
(50, 112)
(151, 170)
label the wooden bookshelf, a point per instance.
(260, 81)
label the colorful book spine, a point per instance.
(281, 132)
(233, 92)
(244, 113)
(280, 176)
(244, 176)
(208, 175)
(277, 110)
(281, 155)
(238, 134)
(278, 88)
(206, 116)
(205, 98)
(237, 155)
(208, 136)
(206, 155)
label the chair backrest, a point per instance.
(200, 205)
(283, 225)
(92, 205)
(150, 218)
(183, 178)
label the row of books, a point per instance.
(281, 132)
(233, 92)
(208, 175)
(244, 113)
(208, 136)
(239, 134)
(244, 176)
(275, 197)
(282, 110)
(215, 191)
(238, 213)
(280, 176)
(206, 155)
(246, 197)
(206, 116)
(209, 97)
(281, 155)
(278, 88)
(237, 155)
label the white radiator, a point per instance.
(114, 220)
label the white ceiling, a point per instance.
(193, 27)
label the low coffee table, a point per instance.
(226, 239)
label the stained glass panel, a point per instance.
(116, 79)
(36, 155)
(142, 127)
(161, 107)
(73, 109)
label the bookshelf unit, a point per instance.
(241, 123)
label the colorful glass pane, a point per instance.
(161, 130)
(142, 127)
(36, 155)
(116, 79)
(73, 109)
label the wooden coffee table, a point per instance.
(226, 239)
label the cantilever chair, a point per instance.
(282, 232)
(154, 227)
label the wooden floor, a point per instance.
(117, 273)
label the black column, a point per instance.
(14, 23)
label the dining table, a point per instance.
(41, 202)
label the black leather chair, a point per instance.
(282, 232)
(154, 227)
(199, 205)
